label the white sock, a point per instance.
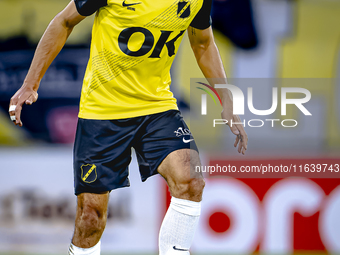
(178, 227)
(74, 250)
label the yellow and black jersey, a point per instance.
(134, 43)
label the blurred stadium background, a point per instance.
(260, 39)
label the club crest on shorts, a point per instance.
(183, 10)
(89, 173)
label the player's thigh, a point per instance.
(180, 165)
(179, 170)
(163, 134)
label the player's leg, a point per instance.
(165, 145)
(186, 188)
(90, 223)
(102, 153)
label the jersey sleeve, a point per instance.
(88, 7)
(202, 19)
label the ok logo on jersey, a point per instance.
(148, 43)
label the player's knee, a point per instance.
(196, 186)
(191, 189)
(93, 219)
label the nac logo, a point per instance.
(89, 173)
(183, 10)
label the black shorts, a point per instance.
(102, 149)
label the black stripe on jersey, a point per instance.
(88, 7)
(202, 19)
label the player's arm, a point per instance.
(209, 60)
(48, 48)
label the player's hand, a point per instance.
(24, 95)
(237, 129)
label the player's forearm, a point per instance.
(210, 63)
(48, 48)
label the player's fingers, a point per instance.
(240, 145)
(14, 113)
(18, 115)
(18, 107)
(12, 108)
(16, 103)
(32, 98)
(12, 104)
(244, 151)
(244, 142)
(244, 139)
(236, 140)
